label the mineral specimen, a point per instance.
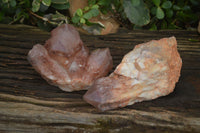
(65, 62)
(149, 71)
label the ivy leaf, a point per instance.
(95, 6)
(169, 13)
(91, 2)
(176, 8)
(173, 26)
(79, 12)
(103, 2)
(167, 5)
(159, 13)
(35, 5)
(13, 3)
(87, 15)
(5, 1)
(135, 2)
(59, 1)
(104, 10)
(43, 8)
(46, 2)
(61, 6)
(92, 13)
(75, 19)
(86, 8)
(43, 25)
(99, 24)
(138, 15)
(156, 2)
(153, 10)
(186, 8)
(82, 20)
(153, 27)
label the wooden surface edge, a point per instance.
(25, 108)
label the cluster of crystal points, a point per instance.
(149, 71)
(65, 62)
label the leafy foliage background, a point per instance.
(135, 14)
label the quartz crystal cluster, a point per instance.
(147, 72)
(65, 62)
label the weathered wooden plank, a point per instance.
(30, 104)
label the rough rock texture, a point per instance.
(149, 71)
(65, 62)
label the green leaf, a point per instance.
(186, 17)
(159, 13)
(186, 8)
(156, 2)
(91, 2)
(59, 1)
(177, 8)
(164, 25)
(43, 25)
(104, 10)
(88, 23)
(92, 13)
(138, 15)
(13, 3)
(1, 16)
(169, 13)
(43, 8)
(86, 8)
(35, 5)
(153, 27)
(79, 12)
(153, 10)
(82, 20)
(95, 12)
(95, 6)
(173, 26)
(103, 2)
(75, 19)
(135, 2)
(61, 6)
(5, 1)
(167, 5)
(46, 2)
(26, 3)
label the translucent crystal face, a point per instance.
(65, 62)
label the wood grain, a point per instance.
(29, 104)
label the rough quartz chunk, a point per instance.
(65, 62)
(149, 71)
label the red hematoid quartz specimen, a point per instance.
(65, 62)
(149, 71)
